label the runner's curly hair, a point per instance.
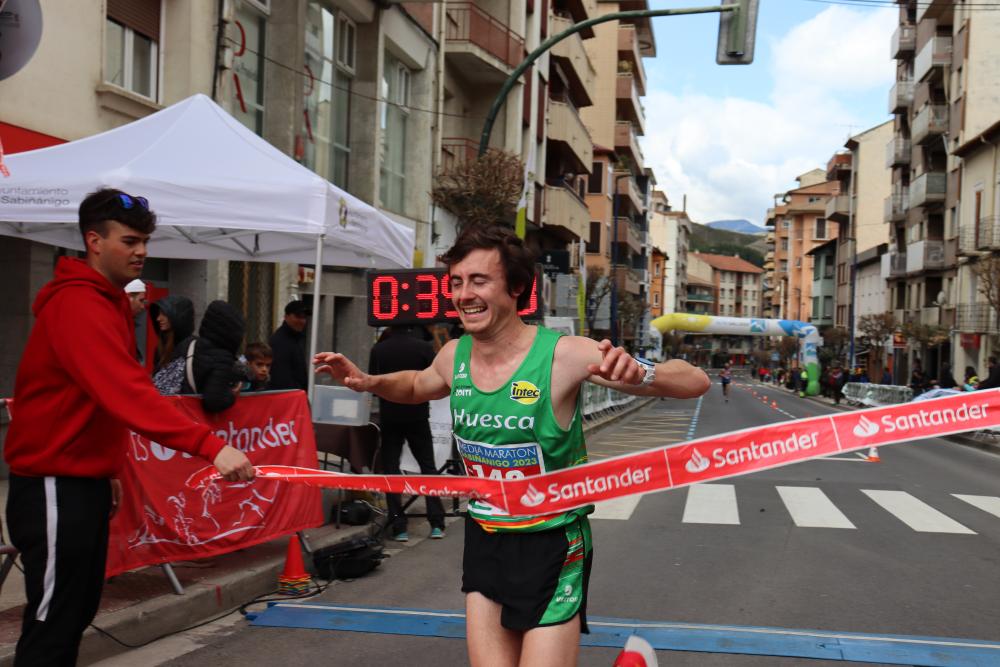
(517, 259)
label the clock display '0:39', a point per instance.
(423, 296)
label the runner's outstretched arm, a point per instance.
(400, 387)
(611, 366)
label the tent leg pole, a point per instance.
(314, 322)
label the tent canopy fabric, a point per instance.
(219, 192)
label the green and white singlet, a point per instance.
(512, 432)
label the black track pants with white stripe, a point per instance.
(60, 525)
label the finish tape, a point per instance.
(716, 457)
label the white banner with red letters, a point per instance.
(161, 520)
(716, 457)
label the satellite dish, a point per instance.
(940, 301)
(20, 33)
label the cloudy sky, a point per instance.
(731, 137)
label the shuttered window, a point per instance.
(143, 16)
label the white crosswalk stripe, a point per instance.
(915, 513)
(989, 504)
(618, 508)
(712, 503)
(810, 508)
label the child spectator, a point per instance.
(259, 358)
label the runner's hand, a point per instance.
(343, 370)
(233, 465)
(617, 365)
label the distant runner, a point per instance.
(726, 375)
(515, 402)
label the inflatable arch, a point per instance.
(752, 326)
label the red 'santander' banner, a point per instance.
(716, 457)
(162, 520)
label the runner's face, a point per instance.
(119, 254)
(479, 291)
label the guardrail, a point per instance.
(598, 400)
(873, 395)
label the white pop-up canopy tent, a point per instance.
(219, 192)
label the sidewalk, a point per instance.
(987, 443)
(139, 607)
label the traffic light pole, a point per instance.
(737, 34)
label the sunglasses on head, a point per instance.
(129, 202)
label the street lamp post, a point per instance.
(615, 325)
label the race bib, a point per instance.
(482, 459)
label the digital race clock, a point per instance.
(423, 296)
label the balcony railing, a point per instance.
(627, 140)
(575, 62)
(929, 123)
(935, 55)
(904, 40)
(700, 298)
(628, 50)
(838, 208)
(565, 126)
(975, 318)
(628, 100)
(924, 255)
(900, 96)
(896, 204)
(469, 24)
(896, 262)
(628, 189)
(564, 208)
(988, 233)
(629, 235)
(456, 151)
(897, 152)
(928, 188)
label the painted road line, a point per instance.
(915, 513)
(618, 509)
(711, 503)
(694, 420)
(810, 508)
(989, 504)
(664, 636)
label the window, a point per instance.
(784, 244)
(131, 51)
(827, 306)
(786, 223)
(784, 266)
(656, 270)
(656, 299)
(820, 228)
(346, 48)
(246, 35)
(596, 178)
(395, 94)
(815, 312)
(594, 243)
(828, 268)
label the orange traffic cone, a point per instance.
(774, 404)
(637, 653)
(294, 580)
(873, 455)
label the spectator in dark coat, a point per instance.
(174, 317)
(992, 380)
(946, 380)
(887, 376)
(288, 344)
(217, 376)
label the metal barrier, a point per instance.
(598, 400)
(872, 395)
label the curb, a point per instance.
(253, 572)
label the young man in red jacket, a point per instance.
(77, 393)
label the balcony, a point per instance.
(627, 142)
(838, 208)
(566, 211)
(627, 101)
(456, 151)
(566, 128)
(700, 298)
(629, 51)
(929, 123)
(893, 265)
(974, 318)
(839, 165)
(900, 96)
(988, 233)
(628, 235)
(770, 236)
(628, 190)
(928, 189)
(924, 255)
(897, 152)
(627, 279)
(896, 204)
(575, 63)
(932, 9)
(904, 41)
(481, 46)
(932, 59)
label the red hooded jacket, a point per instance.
(79, 390)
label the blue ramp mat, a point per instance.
(612, 632)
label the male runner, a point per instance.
(515, 399)
(726, 375)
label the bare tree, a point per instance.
(598, 289)
(875, 329)
(987, 272)
(482, 191)
(631, 309)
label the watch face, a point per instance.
(423, 296)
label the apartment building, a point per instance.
(799, 224)
(671, 230)
(736, 282)
(657, 273)
(618, 192)
(824, 261)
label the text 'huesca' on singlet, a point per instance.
(512, 432)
